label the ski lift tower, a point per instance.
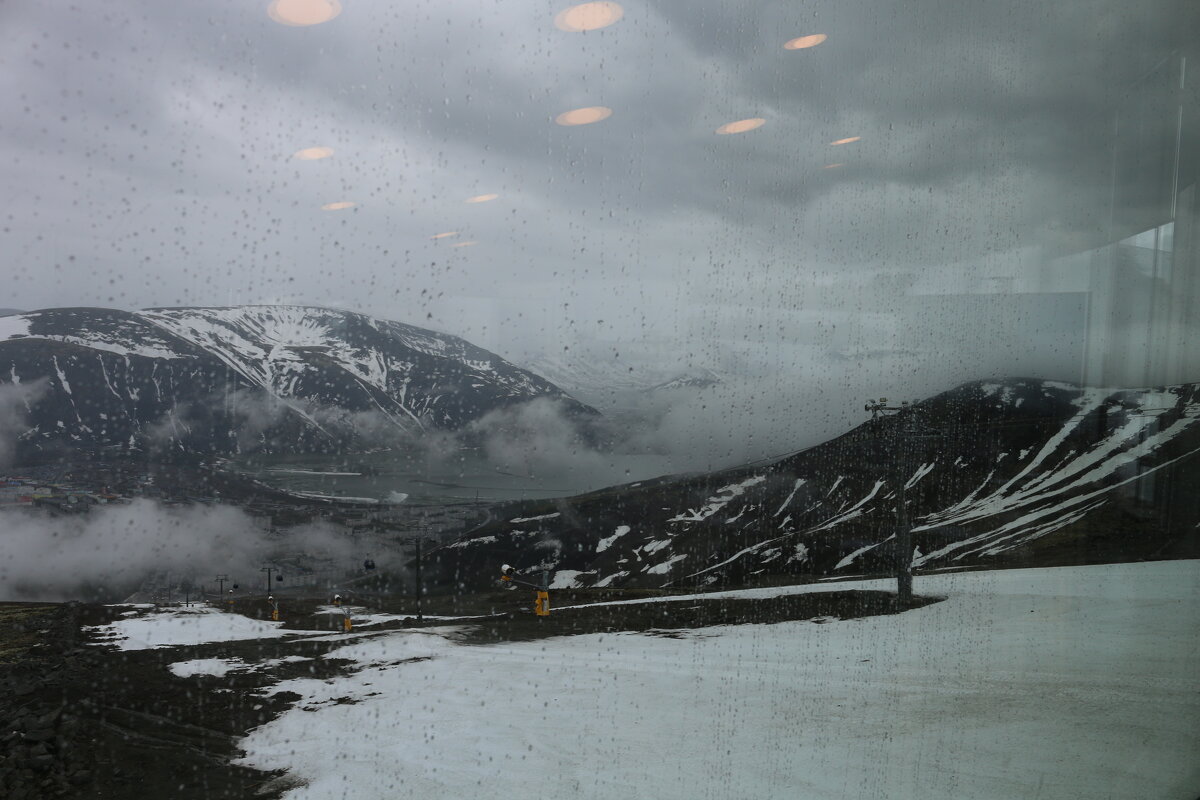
(416, 542)
(899, 436)
(278, 576)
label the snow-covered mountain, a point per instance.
(229, 379)
(694, 378)
(601, 379)
(1018, 472)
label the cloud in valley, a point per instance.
(108, 553)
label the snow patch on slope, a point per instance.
(607, 542)
(718, 501)
(14, 326)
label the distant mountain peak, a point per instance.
(291, 377)
(584, 375)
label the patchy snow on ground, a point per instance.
(189, 625)
(1048, 683)
(206, 666)
(360, 616)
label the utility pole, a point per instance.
(904, 548)
(268, 570)
(221, 585)
(416, 541)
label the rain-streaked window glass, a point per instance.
(605, 400)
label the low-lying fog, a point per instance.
(106, 555)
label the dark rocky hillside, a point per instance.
(1016, 473)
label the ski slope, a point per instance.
(1048, 683)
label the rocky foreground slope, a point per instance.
(280, 378)
(1018, 472)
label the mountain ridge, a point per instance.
(1003, 470)
(594, 378)
(221, 379)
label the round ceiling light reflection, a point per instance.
(805, 42)
(444, 235)
(847, 141)
(583, 116)
(300, 13)
(338, 206)
(588, 17)
(482, 198)
(741, 126)
(312, 153)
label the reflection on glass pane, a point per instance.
(600, 400)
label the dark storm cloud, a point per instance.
(466, 77)
(945, 94)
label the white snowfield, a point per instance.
(190, 625)
(1064, 683)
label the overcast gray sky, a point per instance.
(146, 159)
